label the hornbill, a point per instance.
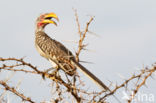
(57, 53)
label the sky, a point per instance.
(125, 28)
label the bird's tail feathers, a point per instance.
(91, 76)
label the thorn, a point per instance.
(152, 77)
(86, 62)
(145, 85)
(121, 76)
(43, 76)
(92, 33)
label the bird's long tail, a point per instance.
(91, 76)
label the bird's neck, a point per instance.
(39, 30)
(40, 27)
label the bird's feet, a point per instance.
(52, 71)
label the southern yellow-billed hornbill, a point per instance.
(57, 53)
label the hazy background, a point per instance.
(126, 42)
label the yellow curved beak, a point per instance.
(50, 15)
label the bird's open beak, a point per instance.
(48, 18)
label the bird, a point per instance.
(56, 53)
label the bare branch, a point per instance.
(14, 91)
(82, 35)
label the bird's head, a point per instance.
(45, 19)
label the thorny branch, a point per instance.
(13, 90)
(82, 35)
(143, 75)
(53, 77)
(150, 72)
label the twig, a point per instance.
(81, 35)
(14, 91)
(141, 84)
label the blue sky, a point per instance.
(126, 29)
